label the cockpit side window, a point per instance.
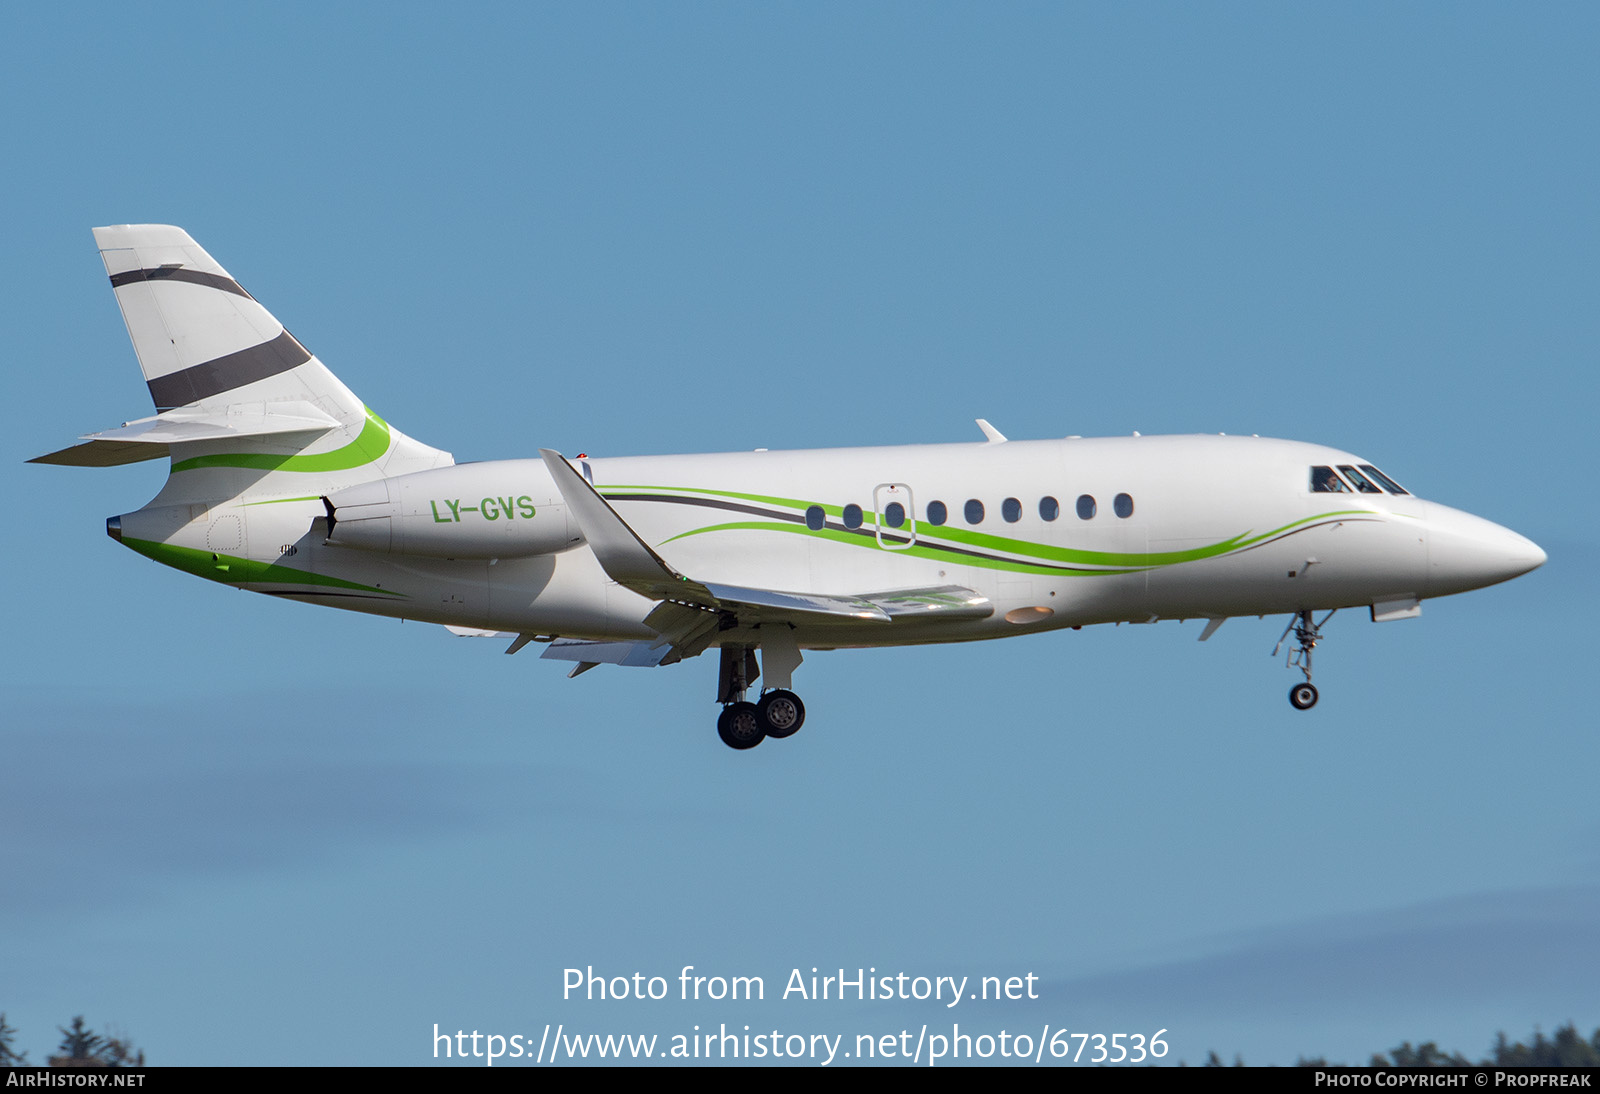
(1388, 483)
(1362, 483)
(1325, 480)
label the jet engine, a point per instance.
(500, 509)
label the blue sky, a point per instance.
(244, 831)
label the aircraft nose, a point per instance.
(1468, 552)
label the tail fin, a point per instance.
(200, 337)
(237, 395)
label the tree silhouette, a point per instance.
(1426, 1054)
(1568, 1048)
(78, 1046)
(9, 1058)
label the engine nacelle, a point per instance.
(499, 509)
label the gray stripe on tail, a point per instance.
(227, 372)
(178, 273)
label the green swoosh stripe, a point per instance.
(782, 503)
(1264, 536)
(917, 550)
(233, 570)
(1133, 564)
(1027, 548)
(369, 445)
(988, 541)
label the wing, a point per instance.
(691, 611)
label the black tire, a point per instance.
(782, 713)
(1303, 696)
(739, 726)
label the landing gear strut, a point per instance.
(1307, 633)
(779, 714)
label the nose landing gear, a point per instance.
(1307, 633)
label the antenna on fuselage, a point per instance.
(994, 435)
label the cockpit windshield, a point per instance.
(1325, 480)
(1361, 482)
(1388, 483)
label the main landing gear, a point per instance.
(1307, 633)
(739, 726)
(779, 713)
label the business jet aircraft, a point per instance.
(283, 482)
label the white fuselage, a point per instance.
(282, 481)
(1218, 526)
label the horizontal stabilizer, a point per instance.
(631, 654)
(103, 454)
(152, 438)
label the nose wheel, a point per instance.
(1303, 696)
(1307, 633)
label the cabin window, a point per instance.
(816, 519)
(1325, 480)
(1086, 507)
(1360, 481)
(1388, 483)
(894, 514)
(1122, 505)
(852, 516)
(937, 513)
(974, 511)
(1049, 508)
(1011, 509)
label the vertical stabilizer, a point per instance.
(201, 338)
(209, 351)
